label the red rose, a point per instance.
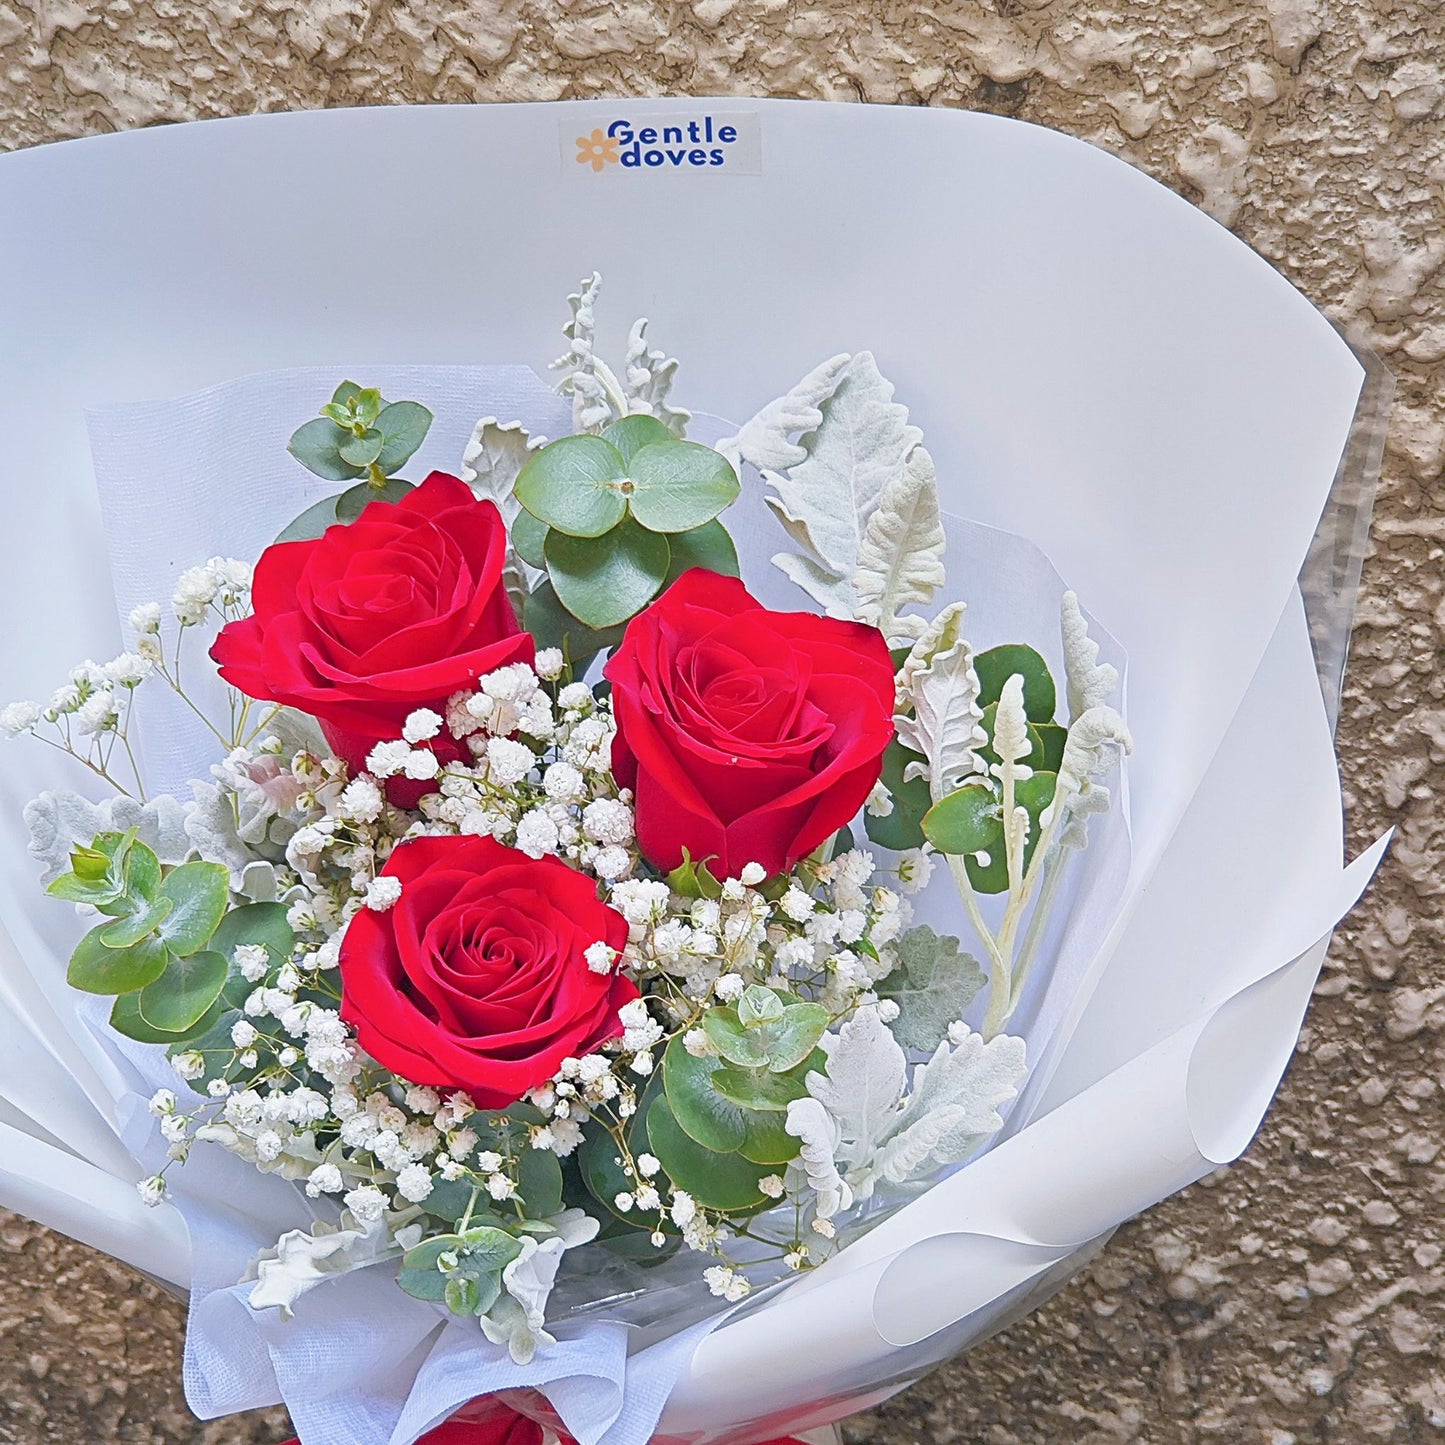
(475, 978)
(749, 736)
(369, 622)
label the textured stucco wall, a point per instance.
(1299, 1296)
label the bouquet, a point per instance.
(623, 980)
(548, 911)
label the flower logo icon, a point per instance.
(598, 149)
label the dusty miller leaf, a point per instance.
(975, 1078)
(825, 500)
(59, 820)
(583, 371)
(648, 377)
(494, 456)
(811, 1123)
(861, 1086)
(1087, 750)
(914, 1150)
(1089, 682)
(933, 985)
(769, 441)
(939, 715)
(900, 558)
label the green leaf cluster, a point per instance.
(462, 1270)
(155, 952)
(969, 821)
(359, 437)
(613, 520)
(718, 1126)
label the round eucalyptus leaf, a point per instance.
(317, 446)
(144, 921)
(678, 486)
(793, 1039)
(355, 500)
(632, 433)
(95, 968)
(551, 625)
(699, 1106)
(605, 580)
(768, 1142)
(737, 1044)
(403, 426)
(709, 547)
(1052, 736)
(199, 893)
(725, 1182)
(361, 451)
(311, 523)
(757, 1088)
(968, 820)
(998, 664)
(528, 535)
(184, 991)
(263, 924)
(574, 486)
(125, 1019)
(903, 827)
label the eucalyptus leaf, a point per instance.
(317, 446)
(678, 486)
(311, 523)
(709, 547)
(703, 1111)
(403, 426)
(903, 827)
(528, 536)
(361, 451)
(184, 991)
(574, 486)
(126, 1019)
(199, 893)
(738, 1045)
(355, 500)
(796, 1036)
(968, 820)
(725, 1182)
(767, 1141)
(998, 664)
(95, 968)
(539, 1181)
(631, 433)
(551, 625)
(605, 580)
(756, 1088)
(136, 926)
(263, 924)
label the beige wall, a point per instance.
(1300, 1296)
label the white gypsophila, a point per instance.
(414, 1183)
(550, 662)
(145, 619)
(421, 725)
(382, 893)
(19, 717)
(98, 713)
(607, 821)
(387, 759)
(361, 800)
(508, 762)
(129, 669)
(537, 834)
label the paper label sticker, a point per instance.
(637, 142)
